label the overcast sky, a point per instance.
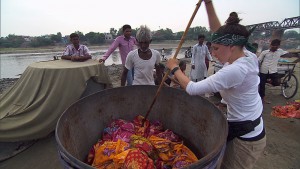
(41, 17)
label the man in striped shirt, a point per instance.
(75, 51)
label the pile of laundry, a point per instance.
(291, 110)
(139, 144)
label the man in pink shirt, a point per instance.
(126, 44)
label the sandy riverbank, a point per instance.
(283, 140)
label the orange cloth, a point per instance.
(164, 148)
(173, 153)
(183, 156)
(108, 152)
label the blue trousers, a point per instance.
(129, 78)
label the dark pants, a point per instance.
(207, 64)
(263, 79)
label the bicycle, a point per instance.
(289, 84)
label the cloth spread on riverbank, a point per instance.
(291, 110)
(30, 109)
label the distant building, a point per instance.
(108, 37)
(27, 38)
(65, 39)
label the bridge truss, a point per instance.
(287, 23)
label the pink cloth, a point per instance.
(169, 135)
(118, 130)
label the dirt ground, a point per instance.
(283, 142)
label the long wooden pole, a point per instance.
(174, 57)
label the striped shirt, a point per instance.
(71, 51)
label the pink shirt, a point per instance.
(125, 46)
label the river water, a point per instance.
(13, 65)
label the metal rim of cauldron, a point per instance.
(208, 157)
(62, 149)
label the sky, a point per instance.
(42, 17)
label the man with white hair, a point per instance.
(143, 59)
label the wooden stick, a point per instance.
(174, 57)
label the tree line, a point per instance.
(96, 38)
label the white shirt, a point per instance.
(163, 52)
(238, 85)
(270, 60)
(198, 59)
(143, 69)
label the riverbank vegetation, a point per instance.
(167, 44)
(57, 42)
(93, 38)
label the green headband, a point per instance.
(229, 39)
(232, 40)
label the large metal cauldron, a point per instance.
(199, 122)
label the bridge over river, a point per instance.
(276, 27)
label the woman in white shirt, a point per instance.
(237, 83)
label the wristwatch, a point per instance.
(174, 70)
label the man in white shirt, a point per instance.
(200, 52)
(268, 60)
(143, 59)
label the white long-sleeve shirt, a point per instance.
(238, 85)
(199, 52)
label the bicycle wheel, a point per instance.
(289, 86)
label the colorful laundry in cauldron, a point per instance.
(139, 144)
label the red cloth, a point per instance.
(136, 159)
(142, 144)
(141, 126)
(291, 110)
